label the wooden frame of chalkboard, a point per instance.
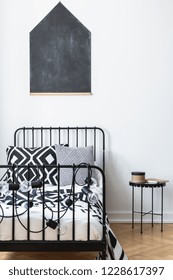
(59, 93)
(60, 55)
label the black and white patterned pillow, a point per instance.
(33, 156)
(77, 156)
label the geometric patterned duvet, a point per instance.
(114, 251)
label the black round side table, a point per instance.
(152, 185)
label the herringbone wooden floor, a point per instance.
(152, 244)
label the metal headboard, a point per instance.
(73, 136)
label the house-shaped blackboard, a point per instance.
(60, 55)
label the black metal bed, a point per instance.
(74, 137)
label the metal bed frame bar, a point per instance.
(71, 133)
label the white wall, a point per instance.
(132, 86)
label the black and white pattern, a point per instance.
(114, 251)
(33, 156)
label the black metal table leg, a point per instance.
(161, 208)
(152, 203)
(141, 206)
(133, 207)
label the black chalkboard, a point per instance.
(60, 54)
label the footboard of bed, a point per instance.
(34, 219)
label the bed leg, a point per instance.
(104, 254)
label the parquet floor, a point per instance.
(152, 244)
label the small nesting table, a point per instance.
(152, 184)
